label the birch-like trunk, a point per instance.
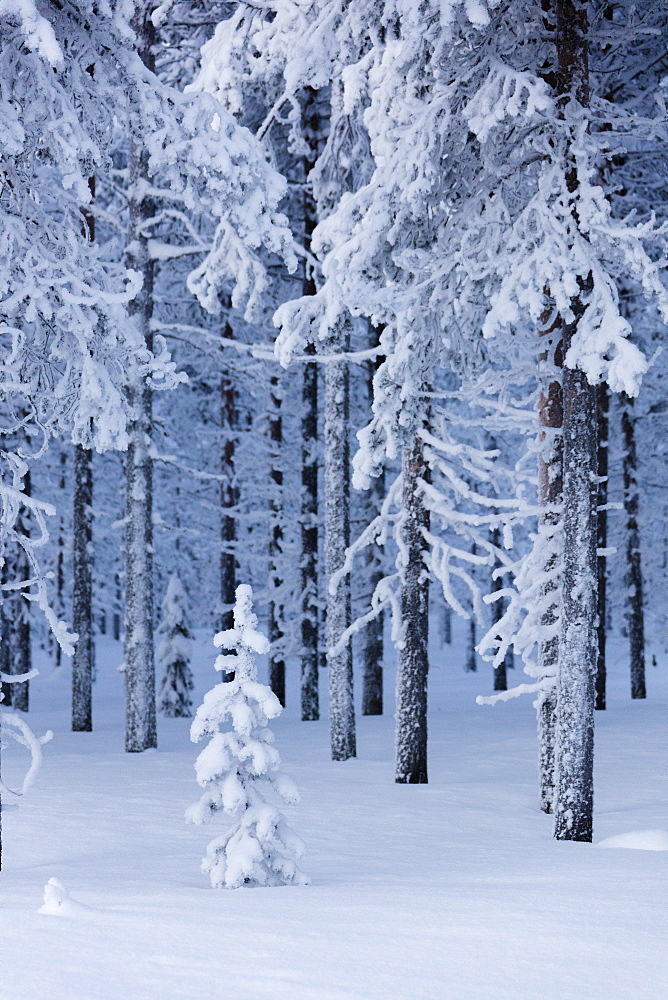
(602, 403)
(276, 534)
(337, 540)
(578, 639)
(413, 666)
(634, 580)
(140, 731)
(82, 612)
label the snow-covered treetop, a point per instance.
(244, 639)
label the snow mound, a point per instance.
(59, 903)
(639, 840)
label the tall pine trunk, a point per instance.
(337, 540)
(413, 666)
(373, 650)
(20, 646)
(578, 640)
(141, 731)
(310, 613)
(276, 655)
(60, 558)
(550, 495)
(498, 608)
(82, 612)
(228, 493)
(634, 580)
(603, 405)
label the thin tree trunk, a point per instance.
(277, 657)
(413, 666)
(550, 494)
(635, 612)
(498, 608)
(228, 495)
(578, 634)
(118, 604)
(60, 559)
(20, 641)
(310, 626)
(141, 729)
(373, 651)
(447, 624)
(82, 612)
(602, 400)
(337, 540)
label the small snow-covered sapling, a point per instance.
(240, 766)
(174, 653)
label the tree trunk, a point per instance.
(498, 608)
(635, 612)
(228, 495)
(310, 626)
(19, 630)
(413, 666)
(447, 624)
(578, 634)
(141, 731)
(82, 612)
(373, 651)
(60, 560)
(337, 540)
(550, 495)
(276, 656)
(602, 401)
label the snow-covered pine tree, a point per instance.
(239, 766)
(174, 653)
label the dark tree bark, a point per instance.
(578, 638)
(634, 580)
(498, 608)
(276, 658)
(447, 624)
(310, 625)
(141, 729)
(413, 666)
(20, 649)
(550, 494)
(337, 540)
(471, 663)
(82, 611)
(60, 559)
(228, 493)
(373, 650)
(602, 400)
(118, 604)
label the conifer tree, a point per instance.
(240, 767)
(174, 653)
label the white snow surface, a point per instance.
(638, 840)
(451, 891)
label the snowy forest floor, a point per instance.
(452, 891)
